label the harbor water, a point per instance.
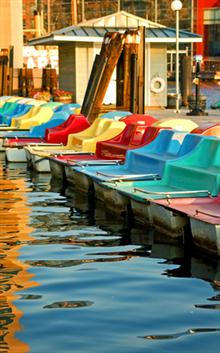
(76, 279)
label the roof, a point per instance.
(94, 31)
(120, 19)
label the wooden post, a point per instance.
(4, 72)
(20, 82)
(74, 12)
(29, 82)
(109, 55)
(11, 66)
(134, 85)
(1, 76)
(141, 72)
(131, 47)
(94, 89)
(90, 86)
(120, 81)
(112, 52)
(53, 80)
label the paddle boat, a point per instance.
(37, 130)
(135, 134)
(202, 215)
(117, 147)
(84, 172)
(60, 116)
(39, 118)
(30, 119)
(205, 225)
(13, 108)
(100, 129)
(15, 147)
(3, 99)
(7, 107)
(197, 174)
(70, 108)
(146, 163)
(19, 110)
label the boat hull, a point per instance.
(17, 155)
(206, 236)
(69, 175)
(114, 201)
(141, 212)
(82, 182)
(40, 164)
(170, 222)
(57, 170)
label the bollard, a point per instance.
(199, 103)
(186, 79)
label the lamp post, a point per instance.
(176, 6)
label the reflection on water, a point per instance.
(180, 334)
(69, 304)
(127, 289)
(14, 275)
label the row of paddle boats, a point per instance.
(160, 172)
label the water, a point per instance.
(74, 279)
(211, 89)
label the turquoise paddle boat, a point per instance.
(196, 174)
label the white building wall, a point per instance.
(85, 55)
(67, 76)
(157, 67)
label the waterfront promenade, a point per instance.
(163, 113)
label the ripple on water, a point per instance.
(128, 292)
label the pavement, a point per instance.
(164, 113)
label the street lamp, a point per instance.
(176, 6)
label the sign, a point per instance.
(40, 58)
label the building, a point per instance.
(78, 46)
(11, 28)
(207, 24)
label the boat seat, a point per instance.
(79, 123)
(85, 141)
(191, 174)
(208, 129)
(139, 119)
(177, 124)
(44, 114)
(38, 131)
(76, 123)
(149, 159)
(100, 130)
(32, 112)
(133, 136)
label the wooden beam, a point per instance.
(141, 72)
(90, 86)
(11, 66)
(109, 55)
(134, 85)
(4, 71)
(130, 48)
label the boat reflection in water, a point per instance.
(14, 275)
